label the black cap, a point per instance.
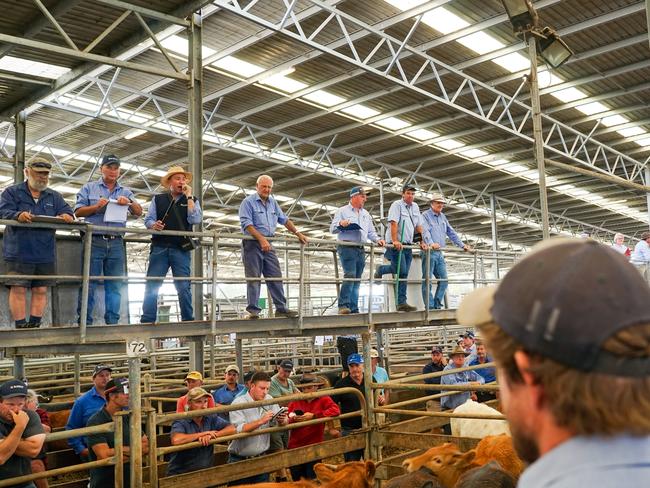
(13, 388)
(110, 159)
(248, 376)
(117, 385)
(287, 364)
(563, 301)
(101, 367)
(436, 349)
(408, 186)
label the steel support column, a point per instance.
(538, 137)
(647, 180)
(19, 366)
(495, 235)
(19, 153)
(135, 424)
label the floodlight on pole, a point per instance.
(553, 49)
(521, 13)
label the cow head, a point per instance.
(356, 474)
(446, 462)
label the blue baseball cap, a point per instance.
(355, 359)
(110, 159)
(13, 388)
(358, 190)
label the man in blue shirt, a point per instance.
(201, 429)
(569, 329)
(437, 228)
(457, 360)
(85, 406)
(353, 224)
(108, 255)
(405, 222)
(31, 251)
(175, 210)
(259, 215)
(488, 373)
(640, 257)
(225, 394)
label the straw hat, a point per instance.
(175, 170)
(458, 350)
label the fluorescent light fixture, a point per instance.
(474, 153)
(631, 131)
(324, 98)
(360, 111)
(283, 83)
(613, 120)
(238, 66)
(393, 123)
(513, 62)
(569, 95)
(443, 20)
(592, 108)
(449, 144)
(481, 42)
(35, 68)
(134, 133)
(422, 134)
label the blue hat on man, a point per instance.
(13, 388)
(355, 359)
(110, 159)
(358, 190)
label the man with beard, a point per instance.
(31, 251)
(107, 255)
(225, 394)
(573, 359)
(438, 363)
(487, 373)
(178, 210)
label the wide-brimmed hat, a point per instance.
(175, 170)
(458, 350)
(309, 379)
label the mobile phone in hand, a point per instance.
(282, 411)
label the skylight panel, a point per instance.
(631, 131)
(284, 83)
(643, 142)
(569, 95)
(34, 68)
(422, 134)
(324, 98)
(592, 108)
(393, 123)
(513, 62)
(449, 144)
(481, 42)
(360, 111)
(443, 20)
(474, 153)
(515, 168)
(132, 134)
(238, 66)
(180, 45)
(613, 120)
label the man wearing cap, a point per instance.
(248, 376)
(102, 445)
(305, 410)
(437, 364)
(641, 255)
(487, 373)
(457, 360)
(437, 228)
(225, 394)
(573, 363)
(201, 429)
(21, 433)
(259, 215)
(379, 374)
(281, 385)
(108, 255)
(250, 419)
(467, 342)
(193, 379)
(86, 406)
(405, 222)
(28, 250)
(350, 403)
(174, 210)
(354, 225)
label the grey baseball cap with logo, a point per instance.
(563, 301)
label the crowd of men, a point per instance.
(31, 251)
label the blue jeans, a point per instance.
(256, 264)
(353, 260)
(258, 478)
(393, 256)
(160, 260)
(352, 455)
(437, 268)
(107, 257)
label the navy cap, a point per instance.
(357, 190)
(117, 385)
(286, 364)
(110, 159)
(101, 367)
(468, 333)
(355, 359)
(408, 186)
(248, 376)
(436, 349)
(13, 388)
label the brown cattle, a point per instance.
(499, 448)
(422, 478)
(58, 420)
(489, 476)
(446, 462)
(356, 474)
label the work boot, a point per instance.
(405, 307)
(344, 311)
(253, 315)
(290, 314)
(377, 275)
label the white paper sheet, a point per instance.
(115, 212)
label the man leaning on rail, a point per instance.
(108, 255)
(31, 251)
(176, 209)
(353, 224)
(259, 215)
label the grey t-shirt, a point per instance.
(19, 465)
